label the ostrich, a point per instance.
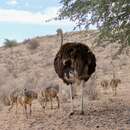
(74, 63)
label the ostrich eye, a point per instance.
(67, 62)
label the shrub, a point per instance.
(10, 43)
(26, 41)
(33, 44)
(5, 100)
(92, 94)
(91, 89)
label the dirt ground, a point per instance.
(106, 114)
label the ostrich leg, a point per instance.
(72, 97)
(82, 104)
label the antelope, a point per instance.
(104, 84)
(23, 97)
(47, 95)
(114, 84)
(13, 99)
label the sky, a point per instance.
(23, 19)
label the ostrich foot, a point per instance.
(82, 113)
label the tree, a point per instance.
(111, 17)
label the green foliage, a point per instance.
(111, 17)
(10, 43)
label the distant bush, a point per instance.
(33, 44)
(26, 41)
(5, 100)
(10, 43)
(91, 89)
(92, 94)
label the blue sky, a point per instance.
(22, 19)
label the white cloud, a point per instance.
(20, 16)
(12, 2)
(27, 17)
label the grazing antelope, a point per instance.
(13, 98)
(26, 98)
(114, 84)
(104, 84)
(22, 97)
(47, 95)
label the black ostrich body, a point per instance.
(74, 58)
